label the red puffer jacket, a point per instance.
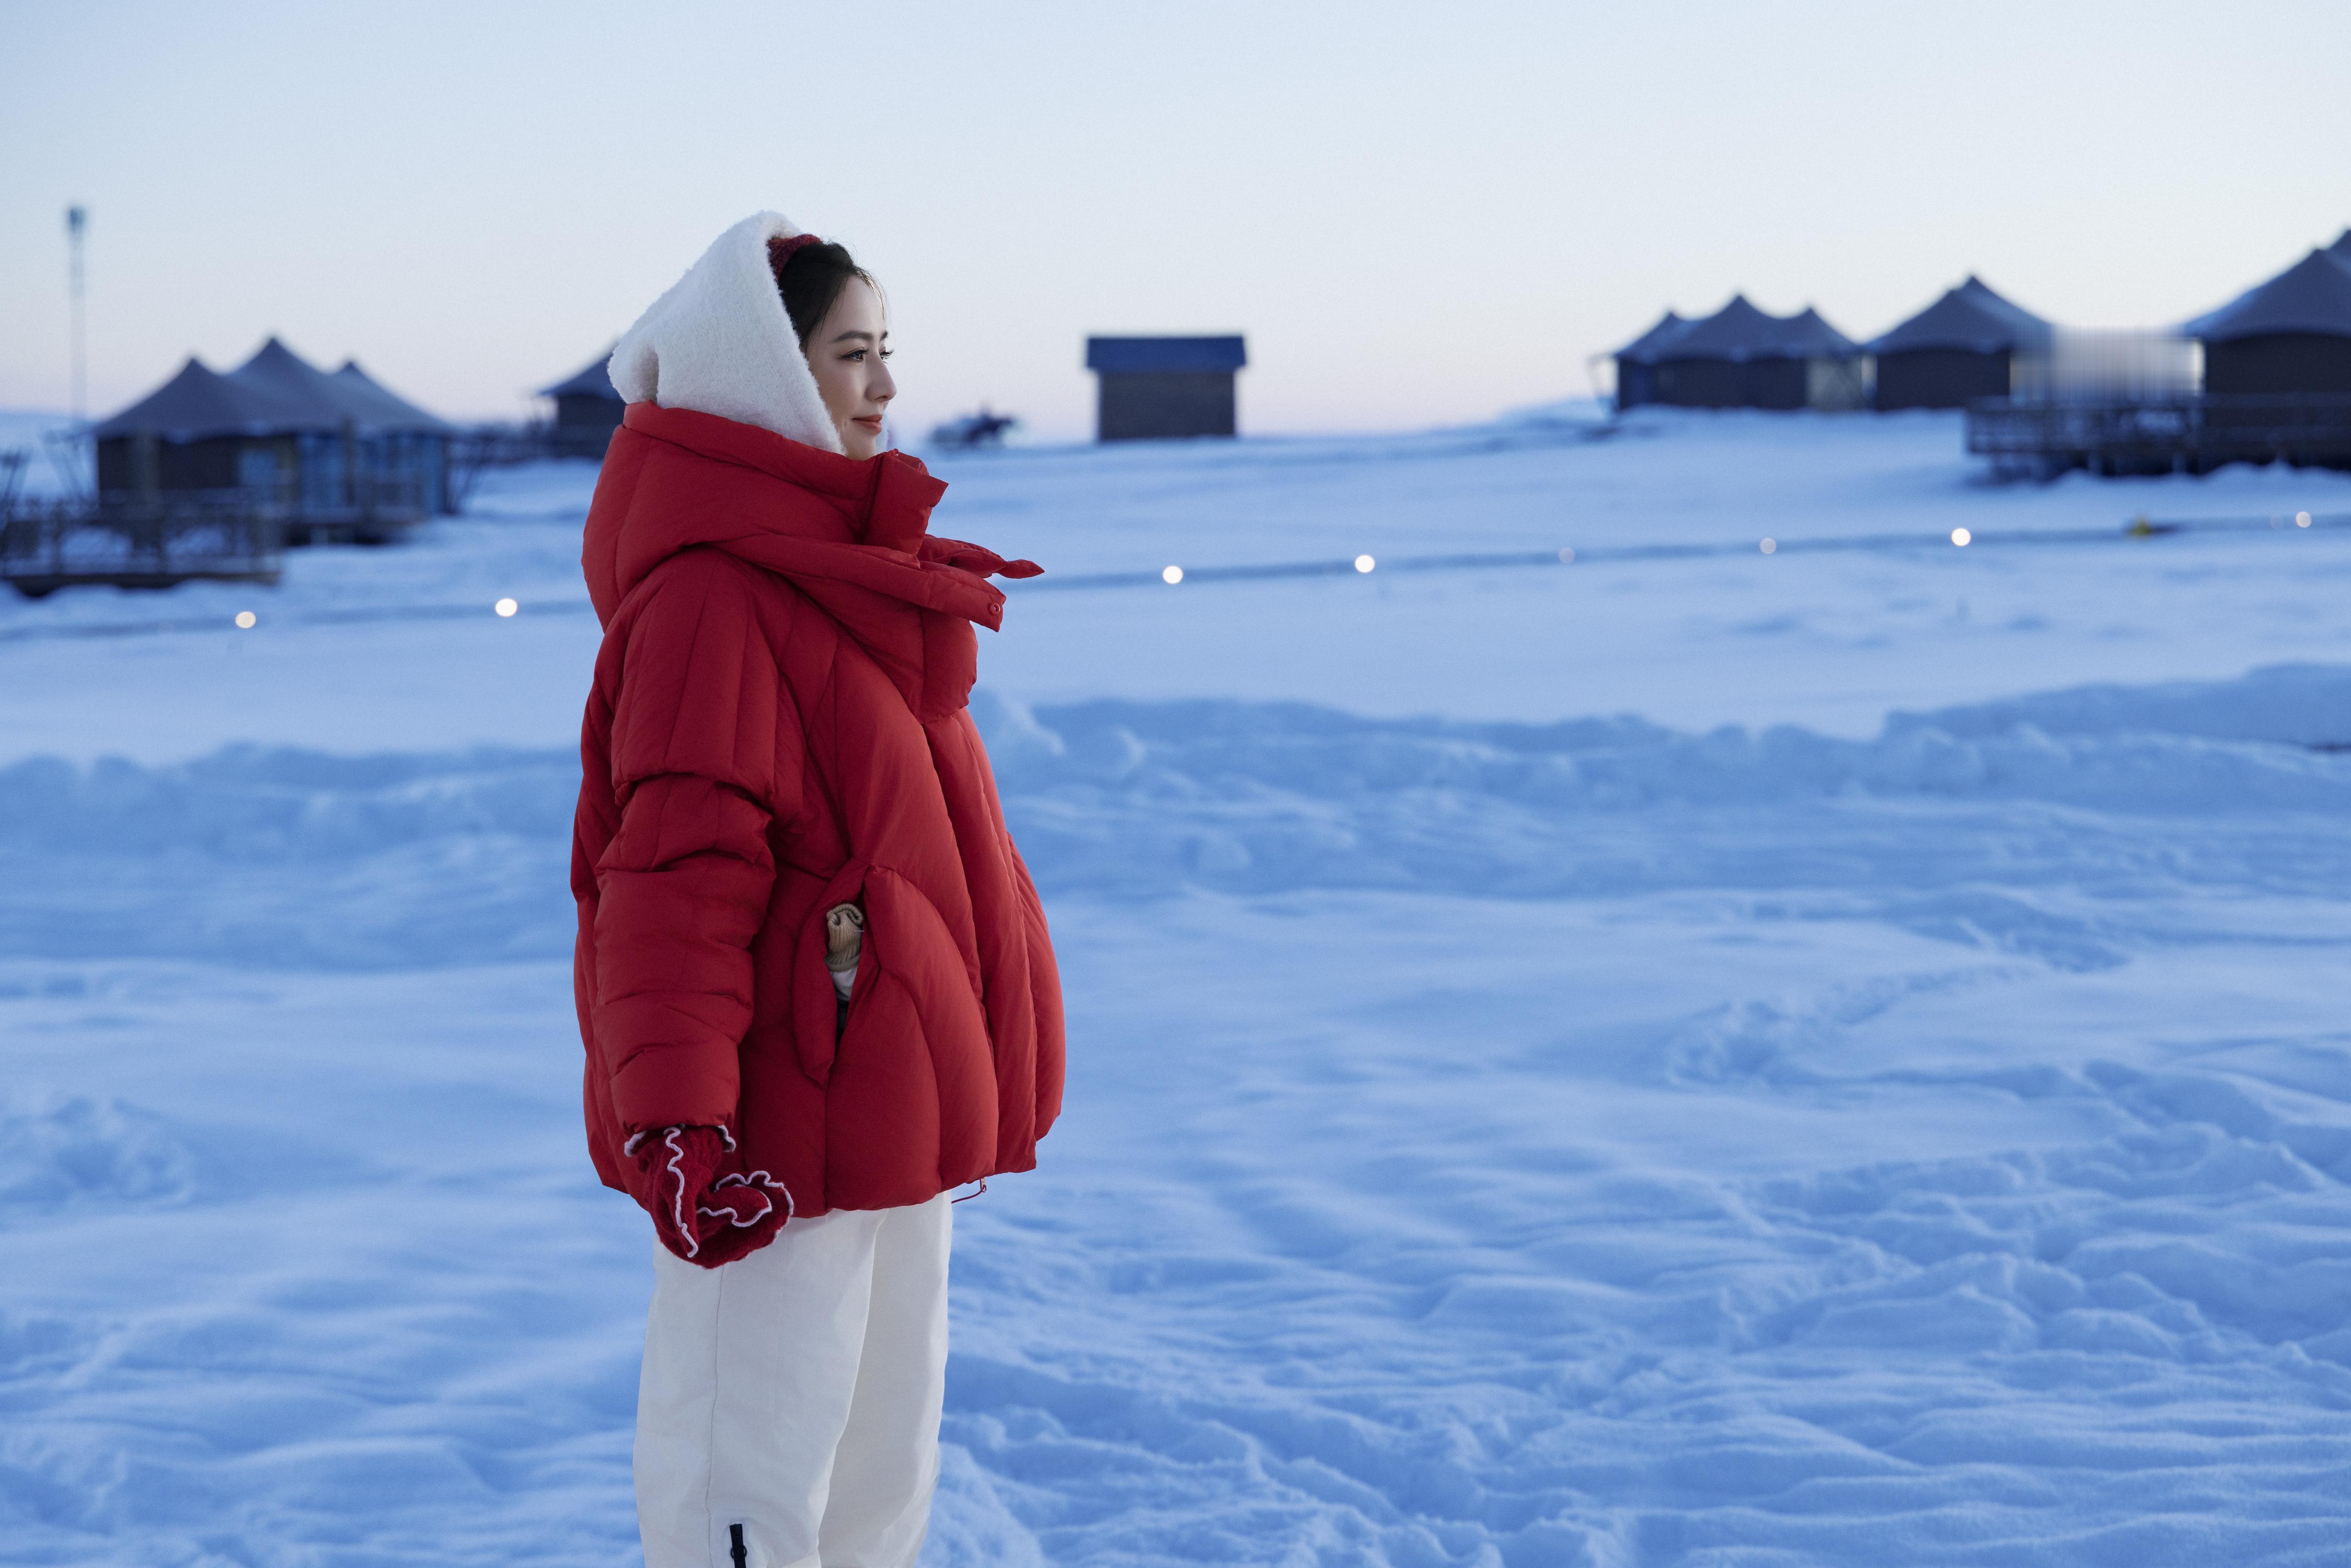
(779, 725)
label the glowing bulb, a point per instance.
(1960, 537)
(1364, 563)
(1768, 546)
(1171, 575)
(1566, 557)
(244, 619)
(506, 607)
(2302, 520)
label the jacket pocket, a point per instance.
(911, 1096)
(817, 1013)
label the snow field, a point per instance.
(1514, 1120)
(1726, 1223)
(366, 651)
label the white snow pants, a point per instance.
(796, 1393)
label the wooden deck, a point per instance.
(2182, 435)
(48, 545)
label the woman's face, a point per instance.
(846, 352)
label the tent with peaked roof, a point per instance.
(199, 403)
(201, 431)
(1957, 349)
(276, 370)
(2291, 335)
(336, 454)
(348, 396)
(362, 446)
(386, 409)
(1636, 360)
(404, 437)
(1740, 333)
(1741, 356)
(588, 409)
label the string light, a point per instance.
(506, 607)
(2302, 520)
(1364, 563)
(244, 619)
(1768, 546)
(1567, 557)
(1171, 575)
(1960, 537)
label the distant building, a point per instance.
(588, 409)
(2275, 387)
(335, 455)
(1961, 348)
(1155, 389)
(1741, 358)
(2290, 335)
(1637, 361)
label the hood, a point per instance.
(853, 536)
(720, 343)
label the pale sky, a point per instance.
(1419, 214)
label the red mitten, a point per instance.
(700, 1215)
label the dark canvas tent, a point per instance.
(1740, 357)
(199, 431)
(332, 453)
(1637, 361)
(405, 436)
(385, 408)
(278, 371)
(197, 402)
(588, 409)
(358, 446)
(2290, 335)
(1957, 349)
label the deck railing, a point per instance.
(219, 535)
(2190, 434)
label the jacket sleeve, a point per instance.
(683, 889)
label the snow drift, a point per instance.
(296, 859)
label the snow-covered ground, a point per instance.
(1835, 1057)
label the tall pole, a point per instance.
(76, 219)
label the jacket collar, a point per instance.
(886, 499)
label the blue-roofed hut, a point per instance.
(588, 409)
(1961, 348)
(1152, 389)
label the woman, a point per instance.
(779, 771)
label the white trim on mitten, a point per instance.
(759, 1179)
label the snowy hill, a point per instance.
(1829, 1057)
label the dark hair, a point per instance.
(810, 279)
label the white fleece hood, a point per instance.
(719, 342)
